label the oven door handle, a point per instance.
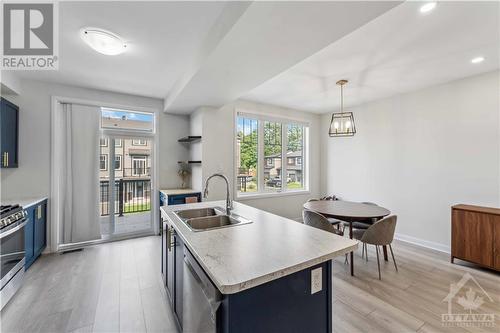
(13, 230)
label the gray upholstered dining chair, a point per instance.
(364, 224)
(379, 234)
(317, 220)
(332, 221)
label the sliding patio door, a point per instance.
(126, 162)
(125, 187)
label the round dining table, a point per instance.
(350, 212)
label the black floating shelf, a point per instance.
(190, 162)
(190, 138)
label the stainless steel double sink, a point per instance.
(203, 219)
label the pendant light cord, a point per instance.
(342, 98)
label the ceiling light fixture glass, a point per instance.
(342, 123)
(103, 41)
(477, 60)
(427, 7)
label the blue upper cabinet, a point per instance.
(9, 128)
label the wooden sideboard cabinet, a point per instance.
(475, 235)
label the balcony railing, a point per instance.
(139, 172)
(132, 196)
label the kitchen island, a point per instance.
(271, 275)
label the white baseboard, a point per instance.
(424, 243)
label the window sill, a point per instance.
(243, 197)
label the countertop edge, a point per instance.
(178, 191)
(236, 288)
(25, 202)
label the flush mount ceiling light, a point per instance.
(103, 41)
(427, 7)
(342, 123)
(477, 60)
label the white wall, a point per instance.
(196, 152)
(10, 84)
(420, 153)
(32, 178)
(218, 154)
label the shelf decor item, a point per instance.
(342, 123)
(184, 173)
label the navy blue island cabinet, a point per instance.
(9, 123)
(284, 305)
(35, 232)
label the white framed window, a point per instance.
(139, 142)
(118, 142)
(103, 162)
(271, 155)
(118, 162)
(103, 142)
(118, 119)
(139, 165)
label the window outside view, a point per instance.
(132, 172)
(248, 163)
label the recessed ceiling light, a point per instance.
(103, 41)
(477, 60)
(427, 7)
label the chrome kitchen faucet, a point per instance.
(229, 202)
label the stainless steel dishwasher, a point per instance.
(201, 298)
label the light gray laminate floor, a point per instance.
(112, 287)
(117, 287)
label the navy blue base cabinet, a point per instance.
(177, 199)
(9, 123)
(283, 305)
(35, 232)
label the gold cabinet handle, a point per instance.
(4, 159)
(7, 158)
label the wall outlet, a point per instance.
(316, 280)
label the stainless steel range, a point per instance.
(12, 222)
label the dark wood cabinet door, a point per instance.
(163, 254)
(472, 237)
(497, 243)
(179, 276)
(169, 257)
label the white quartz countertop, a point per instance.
(175, 191)
(244, 256)
(24, 202)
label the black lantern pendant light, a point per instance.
(342, 123)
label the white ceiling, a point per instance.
(163, 38)
(203, 53)
(400, 51)
(282, 53)
(267, 39)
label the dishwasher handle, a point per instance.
(212, 295)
